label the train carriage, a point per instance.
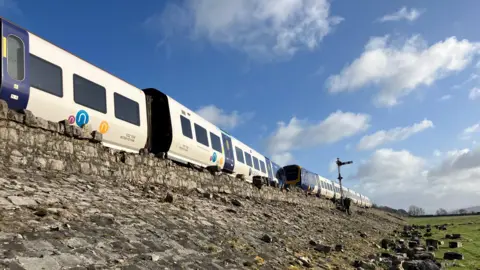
(56, 85)
(249, 162)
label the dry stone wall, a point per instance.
(26, 140)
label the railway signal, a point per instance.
(340, 164)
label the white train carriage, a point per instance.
(193, 139)
(278, 174)
(368, 202)
(336, 190)
(326, 187)
(359, 198)
(65, 87)
(248, 162)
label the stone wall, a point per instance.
(29, 141)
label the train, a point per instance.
(57, 85)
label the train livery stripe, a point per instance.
(4, 47)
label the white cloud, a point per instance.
(474, 93)
(437, 153)
(402, 14)
(222, 119)
(470, 131)
(283, 159)
(445, 97)
(400, 179)
(396, 134)
(398, 70)
(260, 28)
(299, 134)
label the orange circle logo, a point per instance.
(103, 128)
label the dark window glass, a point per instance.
(239, 153)
(291, 172)
(216, 144)
(89, 94)
(201, 135)
(126, 109)
(46, 76)
(186, 127)
(255, 163)
(262, 166)
(15, 58)
(248, 159)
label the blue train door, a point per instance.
(269, 169)
(15, 88)
(228, 148)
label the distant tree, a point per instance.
(441, 211)
(462, 211)
(415, 211)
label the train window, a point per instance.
(255, 163)
(186, 127)
(201, 135)
(262, 166)
(15, 58)
(89, 94)
(248, 159)
(239, 153)
(46, 76)
(126, 109)
(216, 144)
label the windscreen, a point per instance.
(291, 172)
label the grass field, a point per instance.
(470, 238)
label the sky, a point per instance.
(393, 86)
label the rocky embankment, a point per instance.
(50, 220)
(68, 202)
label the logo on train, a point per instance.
(103, 128)
(82, 118)
(214, 158)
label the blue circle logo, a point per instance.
(82, 118)
(214, 157)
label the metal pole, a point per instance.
(339, 164)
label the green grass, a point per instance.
(470, 238)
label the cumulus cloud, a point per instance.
(398, 69)
(400, 179)
(260, 28)
(223, 119)
(470, 131)
(283, 159)
(402, 14)
(474, 93)
(300, 134)
(396, 134)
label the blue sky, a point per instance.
(249, 65)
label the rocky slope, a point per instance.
(51, 220)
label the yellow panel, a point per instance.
(4, 47)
